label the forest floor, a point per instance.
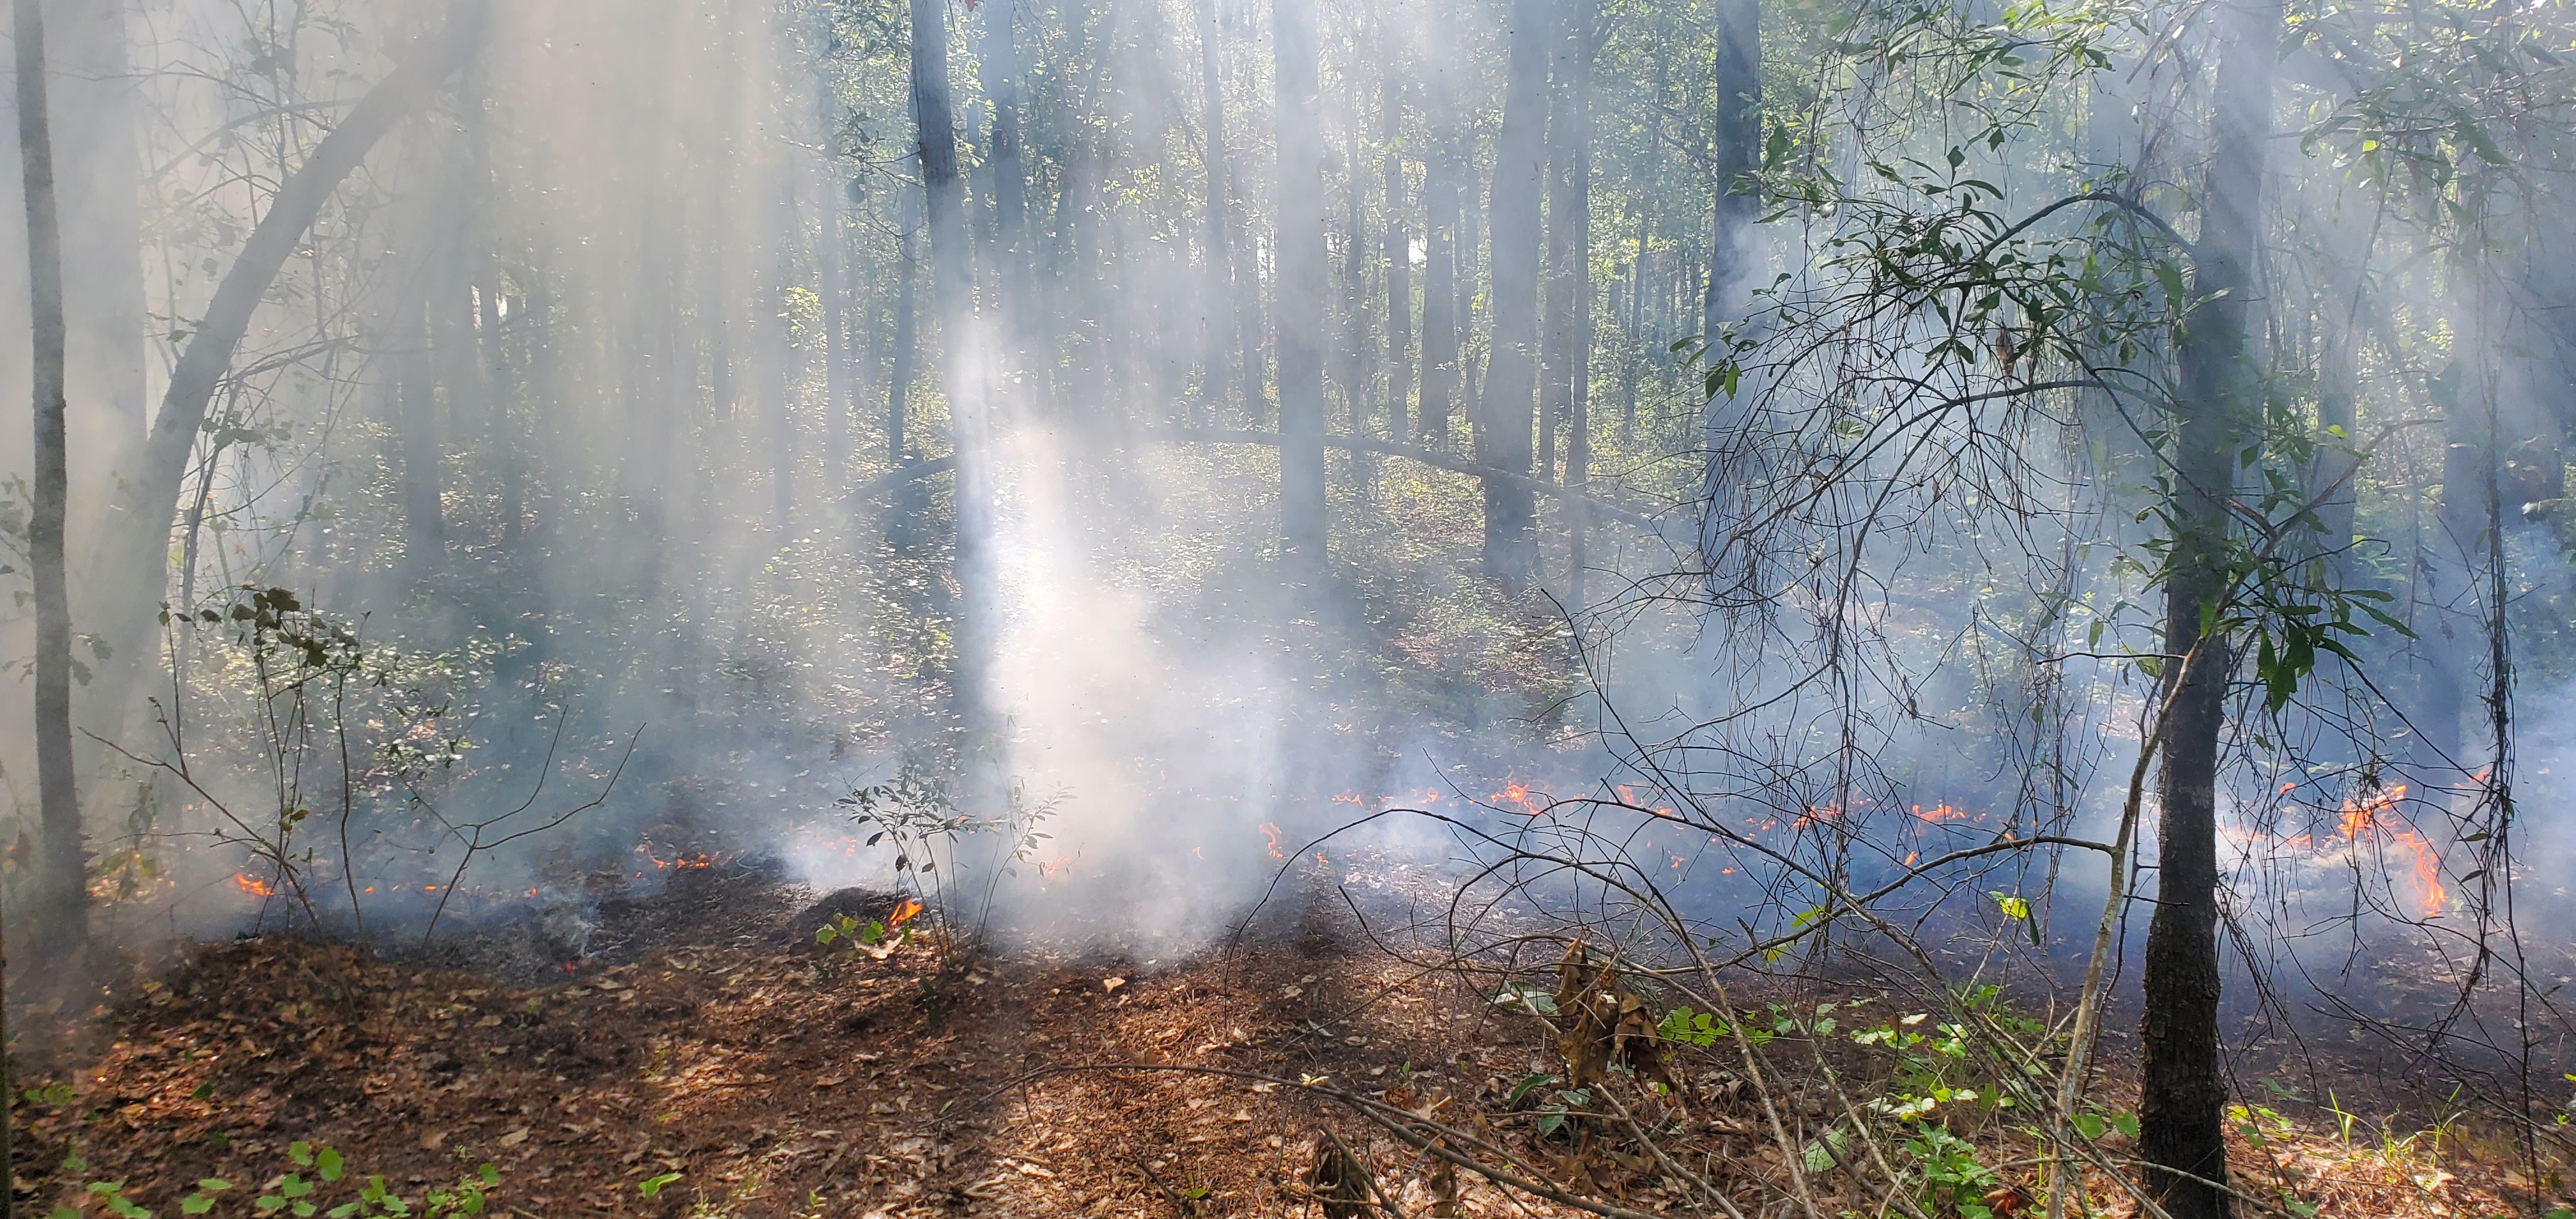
(737, 1067)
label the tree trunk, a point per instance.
(832, 261)
(1220, 318)
(422, 442)
(1300, 305)
(778, 355)
(1520, 156)
(62, 886)
(1397, 253)
(1556, 345)
(1358, 334)
(2182, 1085)
(1440, 173)
(953, 296)
(1574, 204)
(138, 554)
(1736, 150)
(998, 66)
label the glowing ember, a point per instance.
(1271, 832)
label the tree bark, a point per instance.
(1440, 174)
(1511, 376)
(1736, 149)
(62, 888)
(1575, 204)
(837, 381)
(777, 351)
(1397, 253)
(999, 67)
(1222, 331)
(1358, 334)
(1556, 344)
(953, 297)
(2182, 1086)
(1300, 304)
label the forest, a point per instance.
(1944, 609)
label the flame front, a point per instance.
(256, 888)
(1271, 831)
(2363, 817)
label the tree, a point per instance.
(952, 289)
(1221, 321)
(1511, 378)
(1573, 203)
(999, 66)
(1397, 252)
(63, 882)
(2183, 1089)
(1300, 304)
(1440, 173)
(135, 566)
(1735, 144)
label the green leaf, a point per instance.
(652, 1186)
(327, 1163)
(2089, 1125)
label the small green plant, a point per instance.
(652, 1186)
(294, 1195)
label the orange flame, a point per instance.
(1940, 812)
(2363, 818)
(700, 860)
(256, 888)
(1271, 831)
(1518, 793)
(902, 914)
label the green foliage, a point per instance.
(294, 1195)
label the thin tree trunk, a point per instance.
(953, 296)
(63, 883)
(1439, 271)
(1300, 307)
(2182, 1083)
(1736, 150)
(1220, 322)
(999, 69)
(906, 345)
(1520, 156)
(778, 354)
(1575, 204)
(840, 385)
(418, 425)
(1556, 343)
(1397, 252)
(1357, 345)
